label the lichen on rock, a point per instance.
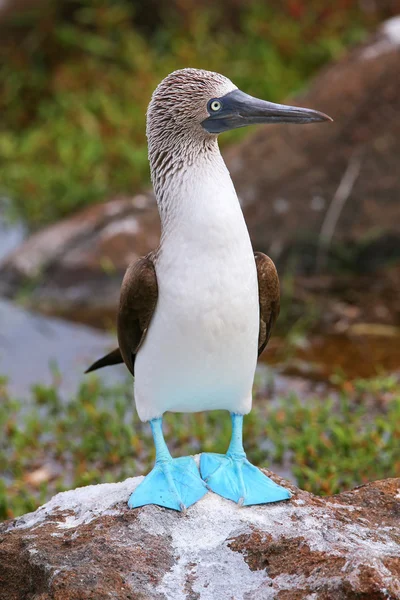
(86, 544)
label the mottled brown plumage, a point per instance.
(138, 300)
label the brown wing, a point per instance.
(139, 293)
(269, 297)
(138, 300)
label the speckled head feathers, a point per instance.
(179, 104)
(176, 110)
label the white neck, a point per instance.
(198, 203)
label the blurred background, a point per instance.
(76, 208)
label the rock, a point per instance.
(86, 544)
(288, 176)
(75, 267)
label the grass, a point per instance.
(330, 445)
(74, 87)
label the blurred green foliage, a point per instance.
(75, 83)
(330, 444)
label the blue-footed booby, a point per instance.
(195, 314)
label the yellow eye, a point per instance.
(215, 105)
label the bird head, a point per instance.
(203, 104)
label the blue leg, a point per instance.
(232, 476)
(173, 482)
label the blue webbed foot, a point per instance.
(173, 483)
(235, 478)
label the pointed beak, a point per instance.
(239, 110)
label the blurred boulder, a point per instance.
(331, 192)
(75, 267)
(86, 544)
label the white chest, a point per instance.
(206, 270)
(200, 351)
(208, 283)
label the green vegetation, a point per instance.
(331, 444)
(75, 85)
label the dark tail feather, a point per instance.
(113, 358)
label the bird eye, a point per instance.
(215, 105)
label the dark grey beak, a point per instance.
(238, 109)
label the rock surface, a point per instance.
(335, 183)
(86, 544)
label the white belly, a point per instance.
(200, 351)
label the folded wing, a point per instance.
(139, 293)
(269, 297)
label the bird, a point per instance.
(195, 313)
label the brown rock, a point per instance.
(80, 261)
(86, 544)
(287, 176)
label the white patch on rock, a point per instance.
(197, 538)
(318, 203)
(281, 206)
(128, 226)
(342, 506)
(86, 504)
(115, 207)
(388, 40)
(391, 28)
(141, 201)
